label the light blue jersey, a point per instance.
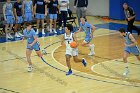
(28, 11)
(28, 6)
(8, 9)
(9, 13)
(134, 49)
(87, 28)
(29, 35)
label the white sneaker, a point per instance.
(50, 30)
(55, 31)
(126, 72)
(17, 35)
(43, 33)
(11, 36)
(30, 68)
(91, 53)
(60, 28)
(20, 34)
(7, 36)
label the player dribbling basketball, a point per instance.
(68, 38)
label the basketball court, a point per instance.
(103, 73)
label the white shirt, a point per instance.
(64, 4)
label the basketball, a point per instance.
(73, 44)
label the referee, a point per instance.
(81, 6)
(130, 17)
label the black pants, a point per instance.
(63, 17)
(131, 27)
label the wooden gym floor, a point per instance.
(103, 73)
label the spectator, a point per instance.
(130, 17)
(63, 9)
(18, 17)
(27, 6)
(8, 17)
(40, 11)
(53, 10)
(81, 6)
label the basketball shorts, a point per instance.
(36, 47)
(72, 51)
(134, 50)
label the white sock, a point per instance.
(43, 30)
(126, 65)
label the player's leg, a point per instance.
(126, 54)
(10, 29)
(37, 24)
(42, 23)
(86, 43)
(28, 56)
(51, 22)
(77, 60)
(20, 21)
(55, 18)
(68, 64)
(6, 31)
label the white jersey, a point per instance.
(69, 50)
(68, 39)
(64, 5)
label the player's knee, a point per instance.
(124, 58)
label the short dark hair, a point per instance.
(28, 24)
(122, 30)
(69, 27)
(125, 3)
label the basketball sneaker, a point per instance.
(84, 62)
(20, 34)
(17, 35)
(55, 31)
(30, 68)
(69, 72)
(92, 52)
(126, 72)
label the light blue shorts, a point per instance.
(134, 50)
(40, 16)
(36, 47)
(28, 17)
(53, 16)
(20, 20)
(10, 19)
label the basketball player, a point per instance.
(88, 29)
(18, 17)
(130, 47)
(32, 43)
(27, 6)
(8, 17)
(68, 38)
